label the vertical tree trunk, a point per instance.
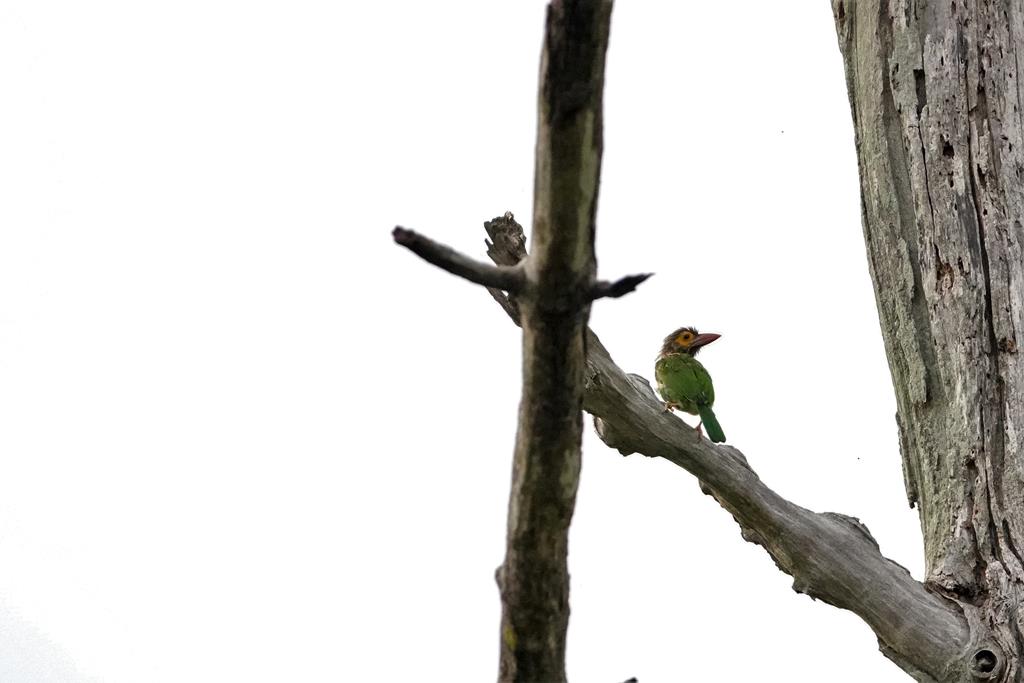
(549, 295)
(534, 578)
(935, 94)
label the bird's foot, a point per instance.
(669, 407)
(700, 430)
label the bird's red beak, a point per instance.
(703, 340)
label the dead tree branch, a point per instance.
(936, 104)
(549, 295)
(618, 288)
(507, 278)
(534, 577)
(831, 557)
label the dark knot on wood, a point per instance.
(985, 665)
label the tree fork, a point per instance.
(831, 557)
(936, 100)
(936, 107)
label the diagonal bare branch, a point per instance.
(507, 278)
(831, 557)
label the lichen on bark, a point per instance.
(935, 95)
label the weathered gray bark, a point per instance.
(936, 99)
(831, 557)
(553, 289)
(936, 106)
(534, 578)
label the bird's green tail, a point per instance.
(711, 425)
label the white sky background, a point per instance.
(243, 437)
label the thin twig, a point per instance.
(613, 290)
(505, 278)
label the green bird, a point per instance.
(682, 380)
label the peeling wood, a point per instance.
(936, 102)
(831, 557)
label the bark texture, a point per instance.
(831, 557)
(936, 100)
(549, 295)
(937, 113)
(534, 578)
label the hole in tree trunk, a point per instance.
(985, 662)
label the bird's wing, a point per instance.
(685, 377)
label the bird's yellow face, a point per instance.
(687, 340)
(684, 338)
